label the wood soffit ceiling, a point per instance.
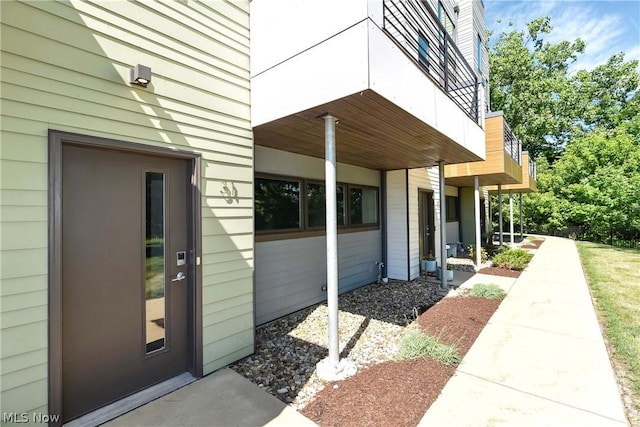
(372, 132)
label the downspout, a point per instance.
(383, 222)
(521, 226)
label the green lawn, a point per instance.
(614, 277)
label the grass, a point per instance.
(488, 291)
(513, 259)
(417, 344)
(613, 275)
(154, 286)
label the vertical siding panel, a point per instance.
(65, 66)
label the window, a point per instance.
(277, 204)
(289, 205)
(316, 203)
(452, 208)
(423, 50)
(444, 18)
(363, 205)
(479, 52)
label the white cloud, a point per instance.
(605, 30)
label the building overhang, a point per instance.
(372, 132)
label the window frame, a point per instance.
(305, 230)
(479, 52)
(306, 205)
(451, 218)
(301, 219)
(362, 187)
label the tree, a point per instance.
(547, 106)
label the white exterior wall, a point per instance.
(397, 238)
(290, 274)
(299, 69)
(403, 254)
(65, 66)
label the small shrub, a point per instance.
(513, 259)
(483, 253)
(416, 344)
(488, 291)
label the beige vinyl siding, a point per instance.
(65, 66)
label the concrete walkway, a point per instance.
(541, 360)
(223, 398)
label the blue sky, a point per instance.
(607, 26)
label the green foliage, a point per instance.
(513, 259)
(483, 253)
(416, 344)
(488, 291)
(583, 129)
(545, 103)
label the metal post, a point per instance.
(443, 228)
(512, 237)
(332, 236)
(476, 199)
(521, 226)
(500, 214)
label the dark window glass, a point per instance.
(316, 205)
(277, 204)
(423, 50)
(363, 205)
(452, 208)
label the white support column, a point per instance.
(511, 235)
(521, 217)
(332, 368)
(500, 214)
(476, 200)
(443, 228)
(332, 235)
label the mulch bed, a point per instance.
(535, 244)
(499, 271)
(399, 393)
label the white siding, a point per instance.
(397, 225)
(65, 66)
(290, 274)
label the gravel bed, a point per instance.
(371, 323)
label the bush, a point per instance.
(488, 291)
(483, 253)
(513, 259)
(416, 344)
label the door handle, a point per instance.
(180, 276)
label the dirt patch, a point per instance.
(399, 393)
(499, 271)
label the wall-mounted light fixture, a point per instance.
(456, 9)
(140, 75)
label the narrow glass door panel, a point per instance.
(155, 262)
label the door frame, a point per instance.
(194, 238)
(424, 195)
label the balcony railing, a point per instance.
(532, 169)
(417, 29)
(512, 144)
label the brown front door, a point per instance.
(124, 252)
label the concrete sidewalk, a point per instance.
(223, 398)
(541, 360)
